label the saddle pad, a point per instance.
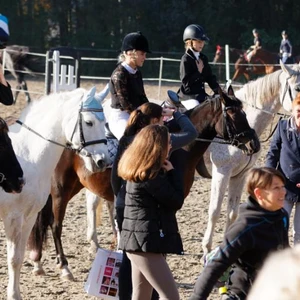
(112, 146)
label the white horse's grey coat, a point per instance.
(228, 164)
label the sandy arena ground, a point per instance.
(191, 218)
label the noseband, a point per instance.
(83, 143)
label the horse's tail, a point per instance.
(38, 235)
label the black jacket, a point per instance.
(127, 90)
(6, 96)
(150, 223)
(247, 243)
(192, 81)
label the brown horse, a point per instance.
(221, 116)
(234, 54)
(262, 62)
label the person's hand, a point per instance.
(298, 185)
(290, 54)
(200, 65)
(167, 165)
(168, 112)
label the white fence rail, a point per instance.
(160, 79)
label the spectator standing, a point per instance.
(284, 155)
(285, 48)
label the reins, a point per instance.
(48, 140)
(68, 146)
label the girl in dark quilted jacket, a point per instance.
(153, 195)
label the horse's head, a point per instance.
(234, 126)
(87, 135)
(11, 173)
(290, 82)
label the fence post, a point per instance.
(160, 75)
(48, 74)
(227, 63)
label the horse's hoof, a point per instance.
(68, 276)
(38, 272)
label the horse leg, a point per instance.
(38, 236)
(111, 208)
(59, 207)
(18, 87)
(218, 187)
(25, 89)
(92, 202)
(235, 190)
(17, 232)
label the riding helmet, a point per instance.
(194, 32)
(135, 40)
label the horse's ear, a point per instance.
(286, 68)
(90, 95)
(220, 91)
(230, 91)
(102, 95)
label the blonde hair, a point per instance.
(261, 178)
(188, 44)
(144, 158)
(122, 56)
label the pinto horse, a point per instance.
(72, 120)
(18, 62)
(227, 165)
(222, 116)
(264, 62)
(11, 173)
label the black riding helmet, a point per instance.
(135, 40)
(194, 32)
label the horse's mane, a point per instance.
(213, 103)
(260, 90)
(50, 103)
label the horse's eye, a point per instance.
(89, 123)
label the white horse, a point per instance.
(264, 97)
(70, 119)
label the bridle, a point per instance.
(229, 137)
(78, 124)
(83, 143)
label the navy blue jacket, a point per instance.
(284, 154)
